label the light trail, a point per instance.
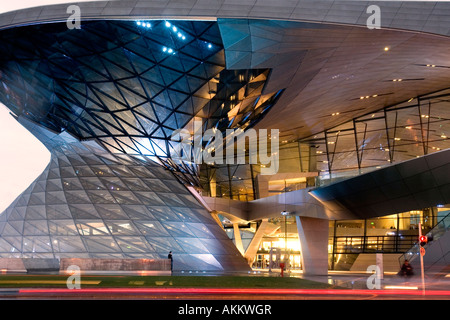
(234, 291)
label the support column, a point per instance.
(254, 244)
(237, 238)
(313, 236)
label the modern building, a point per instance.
(362, 113)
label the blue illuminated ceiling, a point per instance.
(129, 84)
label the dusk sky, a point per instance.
(22, 159)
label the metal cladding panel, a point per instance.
(411, 185)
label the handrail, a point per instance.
(436, 232)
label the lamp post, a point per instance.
(285, 214)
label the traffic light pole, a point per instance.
(421, 259)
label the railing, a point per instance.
(372, 244)
(436, 232)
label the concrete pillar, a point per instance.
(313, 236)
(237, 238)
(252, 249)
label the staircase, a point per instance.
(437, 251)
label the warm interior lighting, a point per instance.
(386, 48)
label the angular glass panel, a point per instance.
(200, 230)
(58, 212)
(190, 201)
(37, 244)
(37, 199)
(149, 198)
(36, 213)
(62, 227)
(125, 197)
(13, 229)
(156, 185)
(170, 199)
(192, 245)
(92, 183)
(72, 184)
(83, 211)
(135, 184)
(91, 227)
(5, 246)
(55, 197)
(203, 261)
(100, 196)
(111, 211)
(138, 212)
(35, 227)
(122, 227)
(100, 244)
(178, 229)
(163, 213)
(54, 185)
(185, 214)
(164, 245)
(134, 244)
(151, 228)
(68, 244)
(77, 197)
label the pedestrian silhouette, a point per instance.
(406, 269)
(171, 261)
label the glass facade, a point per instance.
(130, 84)
(394, 134)
(89, 203)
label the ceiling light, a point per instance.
(386, 48)
(397, 139)
(168, 24)
(408, 127)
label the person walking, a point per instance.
(171, 261)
